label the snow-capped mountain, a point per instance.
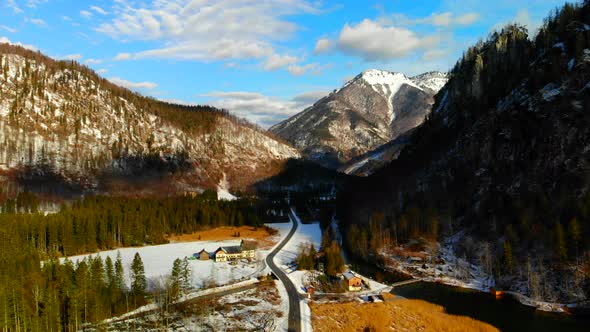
(433, 80)
(62, 118)
(368, 111)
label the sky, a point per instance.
(263, 60)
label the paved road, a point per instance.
(294, 310)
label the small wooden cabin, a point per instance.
(204, 255)
(353, 283)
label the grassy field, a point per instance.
(261, 234)
(396, 315)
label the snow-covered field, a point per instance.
(264, 307)
(158, 260)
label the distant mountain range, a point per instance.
(370, 110)
(61, 121)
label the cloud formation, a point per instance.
(36, 21)
(133, 85)
(7, 28)
(374, 41)
(261, 109)
(322, 46)
(99, 10)
(210, 30)
(13, 5)
(93, 61)
(27, 46)
(72, 57)
(86, 14)
(448, 19)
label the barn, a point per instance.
(204, 255)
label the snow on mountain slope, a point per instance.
(62, 118)
(370, 110)
(388, 84)
(433, 80)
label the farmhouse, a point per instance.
(230, 253)
(353, 283)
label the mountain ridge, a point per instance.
(370, 110)
(62, 118)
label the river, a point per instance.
(506, 314)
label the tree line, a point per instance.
(39, 294)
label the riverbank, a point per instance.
(448, 269)
(399, 314)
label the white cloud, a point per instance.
(380, 41)
(261, 109)
(276, 61)
(122, 56)
(9, 29)
(434, 54)
(467, 19)
(447, 19)
(99, 10)
(36, 21)
(210, 30)
(66, 18)
(93, 61)
(102, 71)
(133, 85)
(4, 40)
(12, 5)
(314, 68)
(442, 19)
(72, 57)
(322, 46)
(231, 65)
(35, 3)
(85, 14)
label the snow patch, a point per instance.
(223, 191)
(550, 91)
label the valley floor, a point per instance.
(158, 260)
(394, 315)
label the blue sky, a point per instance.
(261, 59)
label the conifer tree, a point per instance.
(138, 280)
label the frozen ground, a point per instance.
(263, 308)
(158, 260)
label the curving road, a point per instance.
(294, 310)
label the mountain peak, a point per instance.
(377, 76)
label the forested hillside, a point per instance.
(53, 296)
(61, 123)
(503, 158)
